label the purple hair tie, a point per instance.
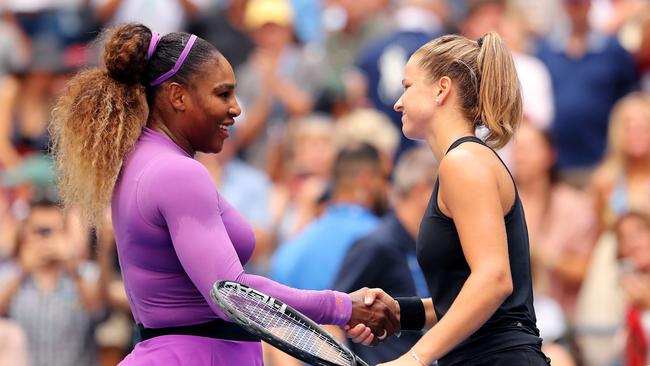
(179, 63)
(153, 43)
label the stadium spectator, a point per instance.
(385, 258)
(590, 71)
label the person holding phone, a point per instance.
(49, 290)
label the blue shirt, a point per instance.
(385, 258)
(585, 89)
(312, 259)
(248, 190)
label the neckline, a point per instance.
(159, 137)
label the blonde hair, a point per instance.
(488, 88)
(369, 126)
(614, 161)
(96, 122)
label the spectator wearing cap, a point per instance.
(279, 81)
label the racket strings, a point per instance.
(284, 326)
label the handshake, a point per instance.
(375, 316)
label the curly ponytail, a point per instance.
(98, 119)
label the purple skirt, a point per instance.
(183, 350)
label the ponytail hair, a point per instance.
(500, 100)
(101, 114)
(488, 87)
(97, 121)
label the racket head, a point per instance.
(280, 325)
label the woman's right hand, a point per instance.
(375, 316)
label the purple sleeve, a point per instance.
(187, 201)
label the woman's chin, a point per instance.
(411, 135)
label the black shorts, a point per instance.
(520, 356)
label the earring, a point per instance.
(438, 101)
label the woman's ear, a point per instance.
(443, 89)
(177, 96)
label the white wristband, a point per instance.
(416, 358)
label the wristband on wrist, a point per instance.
(412, 314)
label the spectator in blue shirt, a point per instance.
(385, 258)
(313, 258)
(590, 71)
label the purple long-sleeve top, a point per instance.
(176, 236)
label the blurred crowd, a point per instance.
(318, 164)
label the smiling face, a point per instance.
(417, 103)
(213, 106)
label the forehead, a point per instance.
(216, 71)
(45, 214)
(413, 70)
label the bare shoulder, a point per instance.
(465, 165)
(472, 175)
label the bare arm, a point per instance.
(8, 93)
(430, 313)
(9, 290)
(296, 101)
(469, 191)
(90, 295)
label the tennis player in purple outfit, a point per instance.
(125, 135)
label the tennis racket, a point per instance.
(281, 326)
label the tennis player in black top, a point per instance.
(473, 242)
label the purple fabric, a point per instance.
(176, 236)
(175, 350)
(178, 64)
(153, 43)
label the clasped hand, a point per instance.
(375, 316)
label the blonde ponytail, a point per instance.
(500, 101)
(488, 91)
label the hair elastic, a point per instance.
(179, 63)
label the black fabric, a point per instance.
(520, 356)
(218, 329)
(412, 313)
(441, 258)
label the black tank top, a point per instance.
(442, 261)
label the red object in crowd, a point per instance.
(636, 347)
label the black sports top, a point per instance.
(441, 258)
